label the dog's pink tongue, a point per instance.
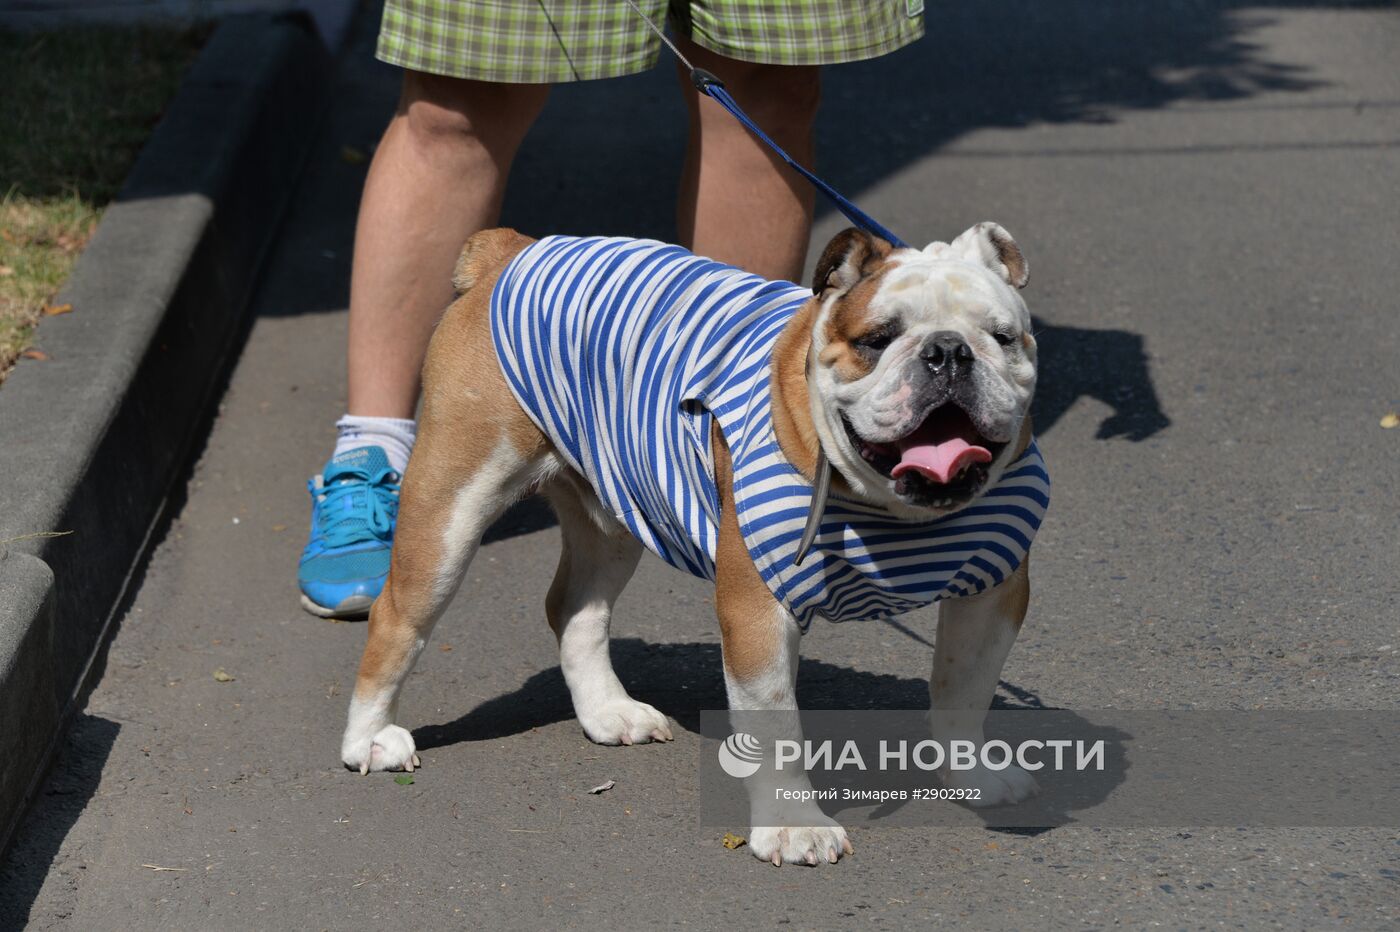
(939, 461)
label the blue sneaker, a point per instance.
(354, 503)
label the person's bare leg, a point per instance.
(738, 202)
(438, 176)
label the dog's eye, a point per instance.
(876, 340)
(1004, 337)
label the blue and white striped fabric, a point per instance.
(624, 352)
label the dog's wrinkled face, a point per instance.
(921, 366)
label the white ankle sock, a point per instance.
(395, 435)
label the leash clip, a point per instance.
(704, 80)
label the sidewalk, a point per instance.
(1205, 193)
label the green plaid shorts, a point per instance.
(549, 41)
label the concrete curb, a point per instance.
(92, 439)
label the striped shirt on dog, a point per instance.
(625, 352)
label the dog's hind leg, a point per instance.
(477, 453)
(596, 559)
(445, 508)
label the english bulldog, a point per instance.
(851, 451)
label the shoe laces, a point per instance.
(357, 506)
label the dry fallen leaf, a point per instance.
(603, 787)
(32, 353)
(353, 155)
(1390, 420)
(732, 841)
(221, 676)
(6, 271)
(279, 528)
(53, 310)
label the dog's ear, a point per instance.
(990, 245)
(851, 255)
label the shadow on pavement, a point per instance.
(71, 784)
(682, 679)
(1062, 794)
(1110, 366)
(998, 64)
(605, 156)
(1015, 63)
(524, 517)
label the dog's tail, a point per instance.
(483, 253)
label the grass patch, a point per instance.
(77, 106)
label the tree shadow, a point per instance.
(605, 156)
(996, 64)
(1015, 63)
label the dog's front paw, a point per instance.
(624, 721)
(391, 749)
(806, 844)
(997, 787)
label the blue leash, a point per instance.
(706, 83)
(712, 87)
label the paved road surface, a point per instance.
(1208, 196)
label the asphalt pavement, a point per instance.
(1209, 198)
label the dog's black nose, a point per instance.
(946, 349)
